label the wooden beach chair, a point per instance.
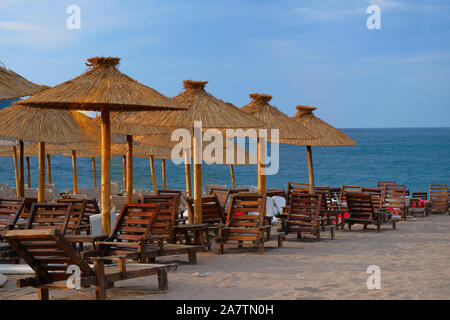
(132, 233)
(162, 229)
(362, 211)
(10, 211)
(179, 198)
(297, 187)
(82, 210)
(222, 194)
(439, 199)
(376, 195)
(212, 211)
(395, 199)
(303, 215)
(49, 254)
(245, 225)
(348, 189)
(51, 216)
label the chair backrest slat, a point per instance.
(246, 210)
(135, 222)
(212, 210)
(50, 216)
(167, 212)
(10, 211)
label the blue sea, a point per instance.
(412, 156)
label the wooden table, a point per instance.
(198, 232)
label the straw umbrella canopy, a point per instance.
(289, 131)
(13, 86)
(212, 112)
(41, 125)
(326, 135)
(103, 88)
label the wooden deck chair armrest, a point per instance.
(266, 227)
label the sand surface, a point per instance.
(414, 262)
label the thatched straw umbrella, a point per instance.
(326, 135)
(212, 112)
(42, 125)
(290, 132)
(13, 86)
(103, 88)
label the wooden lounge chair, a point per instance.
(376, 195)
(418, 204)
(328, 209)
(49, 254)
(10, 211)
(222, 194)
(162, 229)
(178, 199)
(131, 235)
(245, 223)
(303, 215)
(131, 232)
(212, 211)
(51, 216)
(439, 198)
(395, 199)
(347, 189)
(297, 187)
(362, 211)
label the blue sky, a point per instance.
(314, 52)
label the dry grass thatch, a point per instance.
(118, 125)
(326, 134)
(202, 106)
(290, 132)
(14, 86)
(102, 85)
(53, 126)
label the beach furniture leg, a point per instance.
(100, 288)
(163, 284)
(43, 294)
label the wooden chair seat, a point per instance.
(49, 254)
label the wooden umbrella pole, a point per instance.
(28, 173)
(152, 171)
(124, 171)
(94, 173)
(106, 182)
(74, 168)
(310, 169)
(187, 167)
(49, 170)
(163, 168)
(233, 182)
(41, 184)
(129, 169)
(197, 185)
(21, 187)
(16, 170)
(261, 161)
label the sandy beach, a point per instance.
(414, 262)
